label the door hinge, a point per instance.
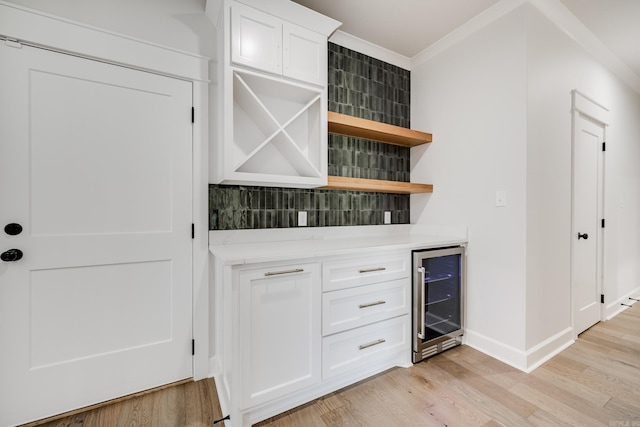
(602, 222)
(193, 231)
(604, 144)
(601, 298)
(193, 115)
(193, 347)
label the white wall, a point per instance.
(499, 106)
(180, 24)
(556, 65)
(472, 97)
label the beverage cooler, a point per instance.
(438, 300)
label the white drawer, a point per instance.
(352, 349)
(364, 271)
(350, 308)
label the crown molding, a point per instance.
(553, 10)
(568, 23)
(469, 28)
(362, 46)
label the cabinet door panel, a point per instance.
(279, 331)
(305, 54)
(256, 39)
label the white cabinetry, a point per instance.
(256, 39)
(295, 331)
(271, 109)
(365, 312)
(279, 331)
(264, 42)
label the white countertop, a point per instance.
(254, 246)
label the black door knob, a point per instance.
(13, 229)
(584, 236)
(11, 255)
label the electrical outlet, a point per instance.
(387, 217)
(302, 218)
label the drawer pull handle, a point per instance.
(276, 273)
(371, 304)
(369, 270)
(371, 344)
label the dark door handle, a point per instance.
(584, 236)
(13, 229)
(11, 255)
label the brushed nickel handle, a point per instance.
(371, 304)
(276, 273)
(423, 333)
(371, 344)
(369, 270)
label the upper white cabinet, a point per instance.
(270, 112)
(256, 39)
(266, 43)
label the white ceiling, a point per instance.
(407, 27)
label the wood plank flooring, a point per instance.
(595, 382)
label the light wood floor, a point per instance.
(595, 382)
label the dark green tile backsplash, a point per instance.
(238, 207)
(359, 86)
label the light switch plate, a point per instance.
(302, 218)
(387, 217)
(501, 198)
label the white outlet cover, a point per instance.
(302, 218)
(387, 217)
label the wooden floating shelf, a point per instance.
(342, 124)
(376, 185)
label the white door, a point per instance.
(95, 165)
(587, 215)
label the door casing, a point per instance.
(584, 107)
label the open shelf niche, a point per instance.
(276, 129)
(345, 125)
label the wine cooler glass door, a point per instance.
(441, 300)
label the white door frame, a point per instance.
(41, 29)
(582, 105)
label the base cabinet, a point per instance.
(279, 330)
(295, 331)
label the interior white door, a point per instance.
(587, 215)
(95, 165)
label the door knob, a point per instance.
(584, 236)
(13, 229)
(11, 255)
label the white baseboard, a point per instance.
(525, 361)
(500, 351)
(613, 308)
(544, 351)
(223, 397)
